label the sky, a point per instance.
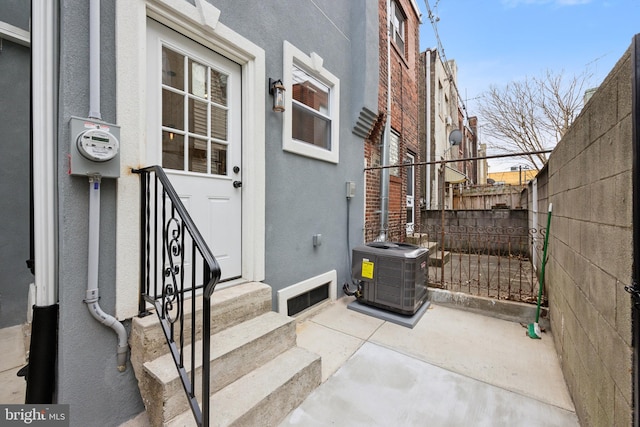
(495, 42)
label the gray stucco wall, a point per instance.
(14, 170)
(16, 13)
(590, 252)
(87, 376)
(14, 184)
(305, 196)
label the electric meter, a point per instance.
(95, 148)
(98, 145)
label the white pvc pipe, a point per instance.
(94, 60)
(428, 125)
(93, 294)
(94, 233)
(43, 54)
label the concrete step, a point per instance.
(422, 241)
(235, 352)
(266, 395)
(229, 307)
(436, 259)
(432, 246)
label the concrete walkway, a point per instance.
(454, 368)
(12, 342)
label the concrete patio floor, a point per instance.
(454, 368)
(12, 342)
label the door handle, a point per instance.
(237, 184)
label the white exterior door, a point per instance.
(194, 133)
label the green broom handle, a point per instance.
(544, 261)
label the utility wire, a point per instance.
(466, 159)
(443, 59)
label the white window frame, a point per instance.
(312, 65)
(398, 25)
(411, 190)
(394, 152)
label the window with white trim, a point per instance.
(394, 153)
(397, 25)
(311, 118)
(410, 170)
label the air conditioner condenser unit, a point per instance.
(392, 276)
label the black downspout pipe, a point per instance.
(30, 262)
(41, 378)
(635, 289)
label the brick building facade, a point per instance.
(401, 59)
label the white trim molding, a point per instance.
(330, 277)
(313, 65)
(15, 34)
(201, 22)
(43, 100)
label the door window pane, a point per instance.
(188, 136)
(198, 79)
(172, 150)
(218, 87)
(218, 159)
(172, 109)
(219, 121)
(197, 117)
(197, 155)
(172, 68)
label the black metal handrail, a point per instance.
(166, 231)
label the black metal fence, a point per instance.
(178, 273)
(494, 262)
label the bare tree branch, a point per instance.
(533, 114)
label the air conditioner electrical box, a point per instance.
(393, 276)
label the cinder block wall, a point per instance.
(590, 253)
(509, 227)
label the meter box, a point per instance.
(393, 276)
(95, 148)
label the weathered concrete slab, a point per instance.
(381, 387)
(389, 316)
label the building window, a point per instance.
(394, 153)
(410, 159)
(441, 111)
(311, 118)
(397, 25)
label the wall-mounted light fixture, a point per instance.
(276, 88)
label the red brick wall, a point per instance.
(404, 119)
